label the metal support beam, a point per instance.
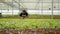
(52, 10)
(42, 8)
(37, 5)
(19, 4)
(58, 6)
(9, 4)
(12, 8)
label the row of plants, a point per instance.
(29, 23)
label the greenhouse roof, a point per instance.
(29, 4)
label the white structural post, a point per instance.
(12, 8)
(1, 9)
(52, 10)
(42, 9)
(58, 6)
(19, 5)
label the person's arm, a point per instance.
(26, 14)
(20, 14)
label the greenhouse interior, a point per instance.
(39, 8)
(29, 16)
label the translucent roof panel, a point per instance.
(29, 4)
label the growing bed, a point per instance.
(29, 23)
(29, 26)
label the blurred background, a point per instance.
(35, 8)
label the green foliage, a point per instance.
(32, 16)
(29, 23)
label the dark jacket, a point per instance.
(24, 14)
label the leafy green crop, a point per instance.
(29, 23)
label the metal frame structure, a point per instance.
(37, 5)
